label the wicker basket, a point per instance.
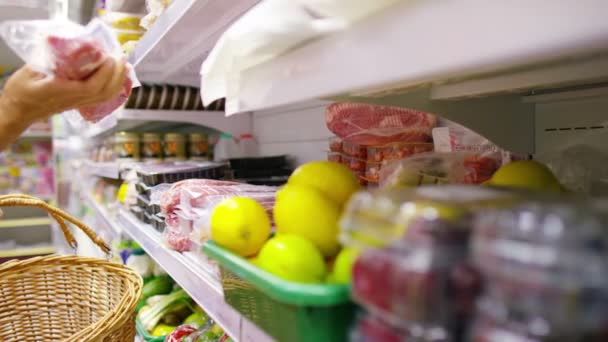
(66, 298)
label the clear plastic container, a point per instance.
(127, 146)
(198, 146)
(372, 171)
(371, 329)
(354, 150)
(248, 146)
(151, 147)
(380, 218)
(396, 151)
(226, 148)
(423, 280)
(334, 156)
(174, 147)
(546, 267)
(335, 144)
(354, 163)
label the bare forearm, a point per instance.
(12, 123)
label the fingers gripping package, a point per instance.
(70, 51)
(378, 125)
(188, 205)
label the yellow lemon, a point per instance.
(304, 211)
(332, 179)
(240, 225)
(525, 174)
(342, 273)
(292, 258)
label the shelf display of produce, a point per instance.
(205, 291)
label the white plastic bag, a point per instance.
(266, 31)
(347, 10)
(269, 30)
(68, 50)
(579, 168)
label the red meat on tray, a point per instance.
(378, 125)
(79, 58)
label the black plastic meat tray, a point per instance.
(271, 181)
(258, 163)
(261, 173)
(154, 174)
(158, 222)
(144, 203)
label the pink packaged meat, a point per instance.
(378, 125)
(78, 58)
(70, 51)
(188, 205)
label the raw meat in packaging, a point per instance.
(188, 205)
(437, 168)
(378, 125)
(70, 51)
(482, 157)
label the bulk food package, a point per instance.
(70, 51)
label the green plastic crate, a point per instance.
(141, 331)
(287, 311)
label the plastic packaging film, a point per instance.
(268, 30)
(68, 50)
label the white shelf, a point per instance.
(36, 135)
(25, 222)
(128, 119)
(27, 251)
(107, 169)
(510, 45)
(205, 291)
(20, 10)
(174, 48)
(103, 216)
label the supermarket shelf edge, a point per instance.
(102, 213)
(175, 46)
(200, 286)
(27, 251)
(326, 67)
(25, 222)
(127, 119)
(107, 169)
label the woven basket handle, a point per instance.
(59, 215)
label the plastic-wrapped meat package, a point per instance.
(378, 125)
(482, 157)
(188, 206)
(70, 51)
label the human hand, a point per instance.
(30, 96)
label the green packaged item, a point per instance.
(285, 310)
(143, 333)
